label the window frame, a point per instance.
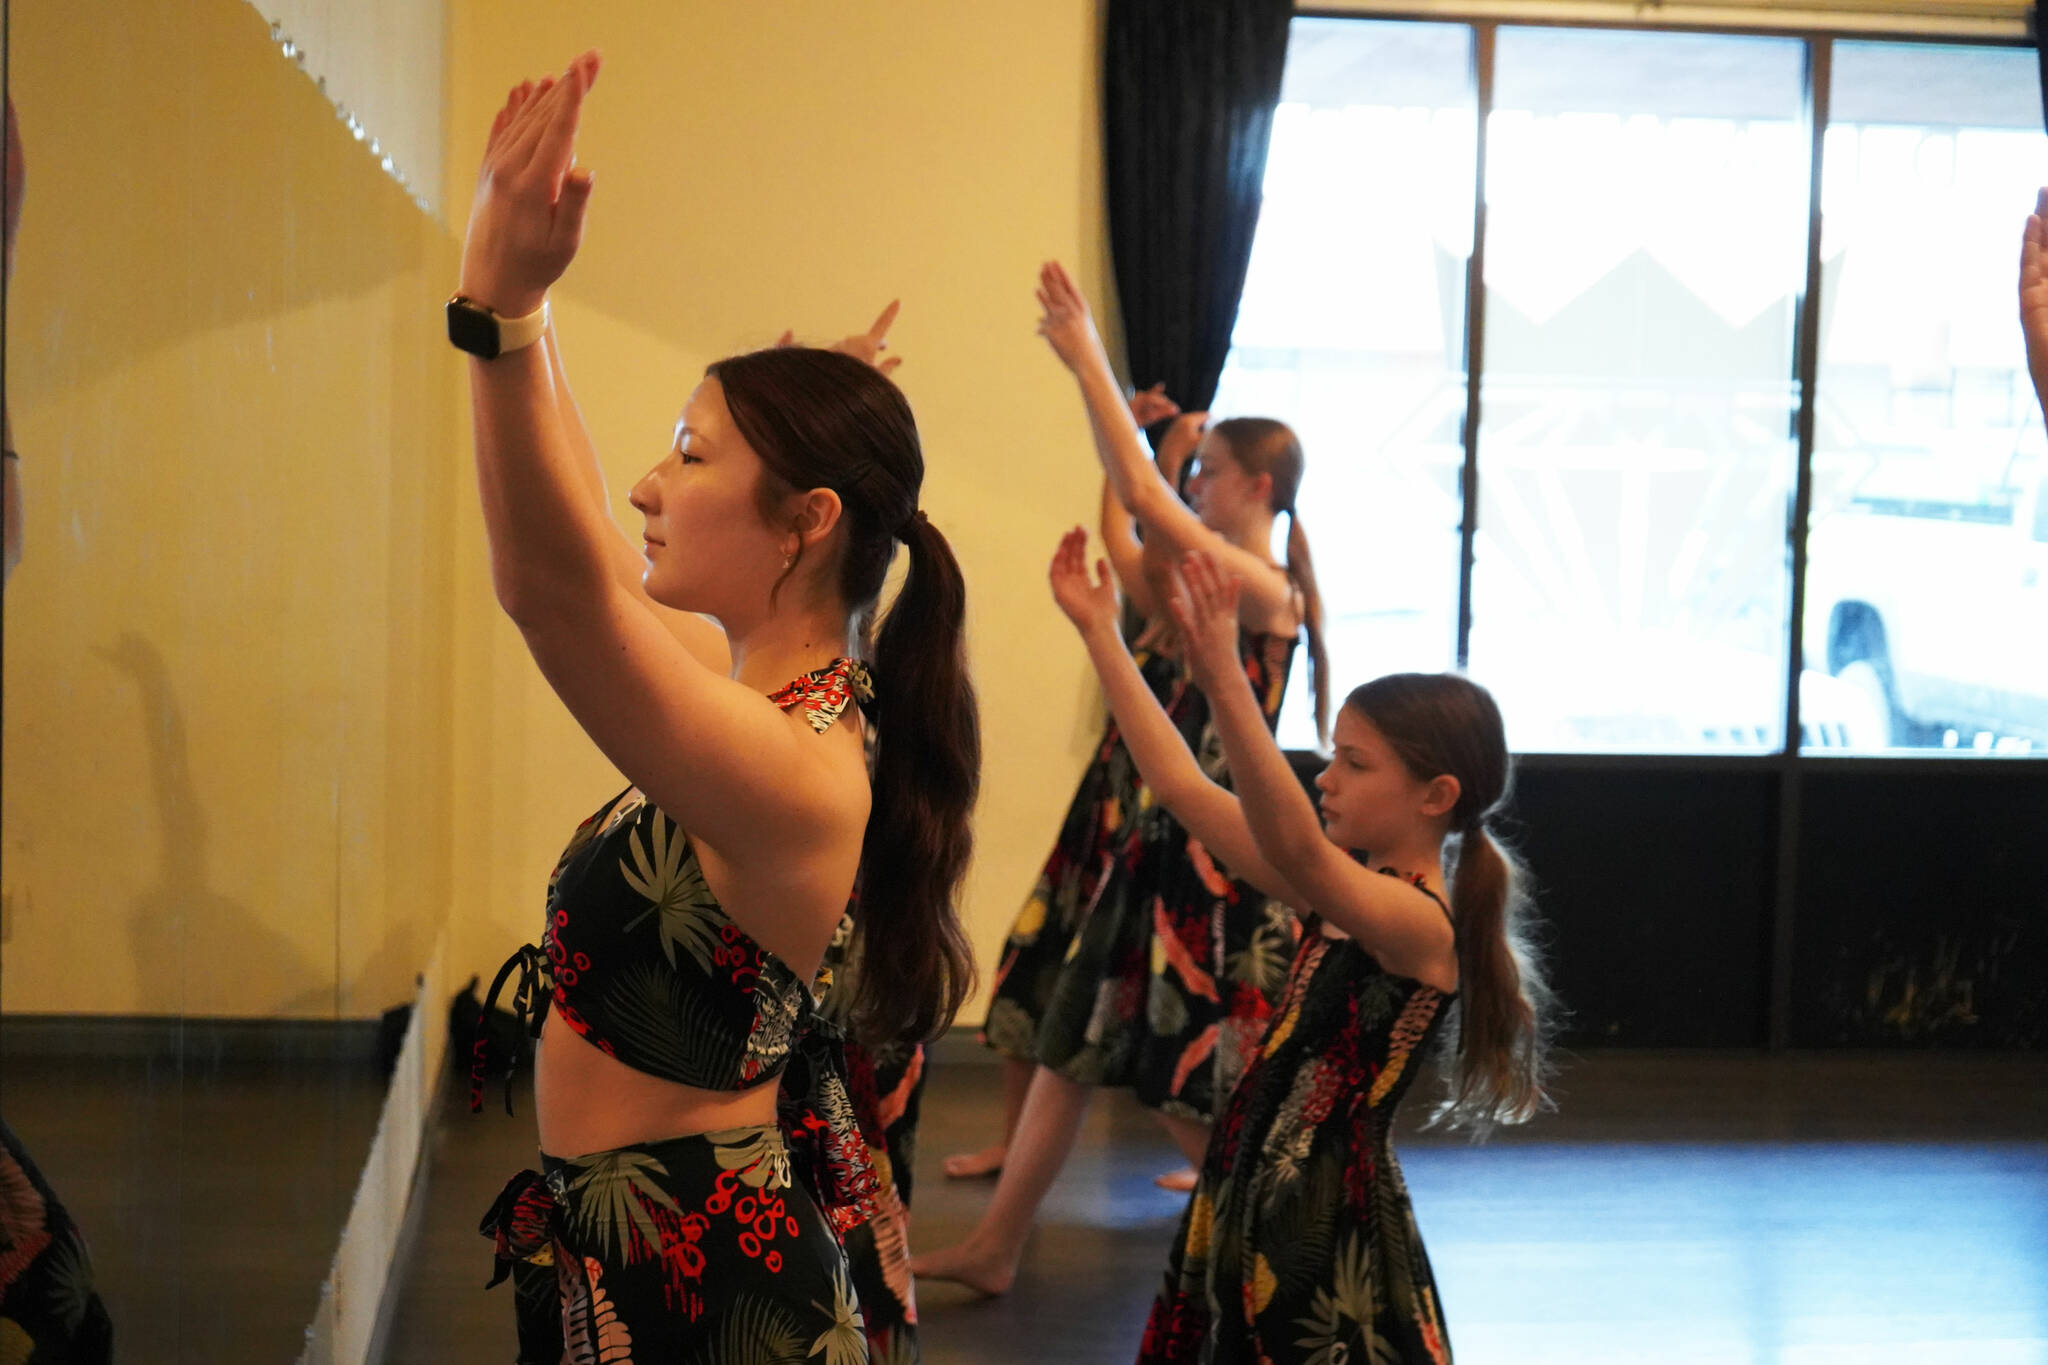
(1790, 760)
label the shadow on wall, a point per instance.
(189, 939)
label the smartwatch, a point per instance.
(476, 329)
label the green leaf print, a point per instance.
(753, 1331)
(845, 1342)
(665, 870)
(1343, 1312)
(1165, 1011)
(1262, 962)
(756, 1153)
(1299, 1227)
(70, 1283)
(614, 1189)
(673, 1031)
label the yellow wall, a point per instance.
(229, 648)
(264, 724)
(799, 164)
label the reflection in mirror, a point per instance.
(226, 692)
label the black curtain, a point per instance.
(1189, 88)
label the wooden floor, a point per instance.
(1837, 1209)
(212, 1196)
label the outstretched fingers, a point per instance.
(879, 332)
(1067, 555)
(555, 148)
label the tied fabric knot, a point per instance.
(521, 1222)
(529, 1004)
(825, 694)
(820, 1127)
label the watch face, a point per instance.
(472, 329)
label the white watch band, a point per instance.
(517, 333)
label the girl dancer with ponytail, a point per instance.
(1299, 1243)
(701, 1155)
(1102, 819)
(1140, 960)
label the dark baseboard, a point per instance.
(147, 1037)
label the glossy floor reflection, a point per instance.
(1740, 1210)
(212, 1194)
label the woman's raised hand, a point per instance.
(869, 345)
(1179, 443)
(864, 346)
(1204, 603)
(1064, 320)
(2034, 295)
(1089, 602)
(527, 219)
(1152, 405)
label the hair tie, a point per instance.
(911, 523)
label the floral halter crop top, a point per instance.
(639, 957)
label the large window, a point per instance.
(1927, 585)
(1647, 222)
(1352, 330)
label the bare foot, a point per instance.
(985, 1273)
(1180, 1181)
(974, 1165)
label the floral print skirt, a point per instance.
(1299, 1245)
(1138, 962)
(887, 1086)
(699, 1249)
(48, 1309)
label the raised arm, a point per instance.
(717, 756)
(1210, 813)
(1126, 554)
(1389, 918)
(1168, 523)
(1118, 529)
(701, 637)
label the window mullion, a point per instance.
(1475, 340)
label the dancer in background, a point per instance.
(1167, 965)
(702, 1157)
(1300, 1243)
(1104, 815)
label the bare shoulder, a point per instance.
(788, 884)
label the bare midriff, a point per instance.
(588, 1101)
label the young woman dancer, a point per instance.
(1100, 820)
(1164, 966)
(1299, 1243)
(701, 1153)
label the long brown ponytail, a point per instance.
(1502, 1022)
(819, 419)
(1265, 445)
(1500, 1027)
(927, 774)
